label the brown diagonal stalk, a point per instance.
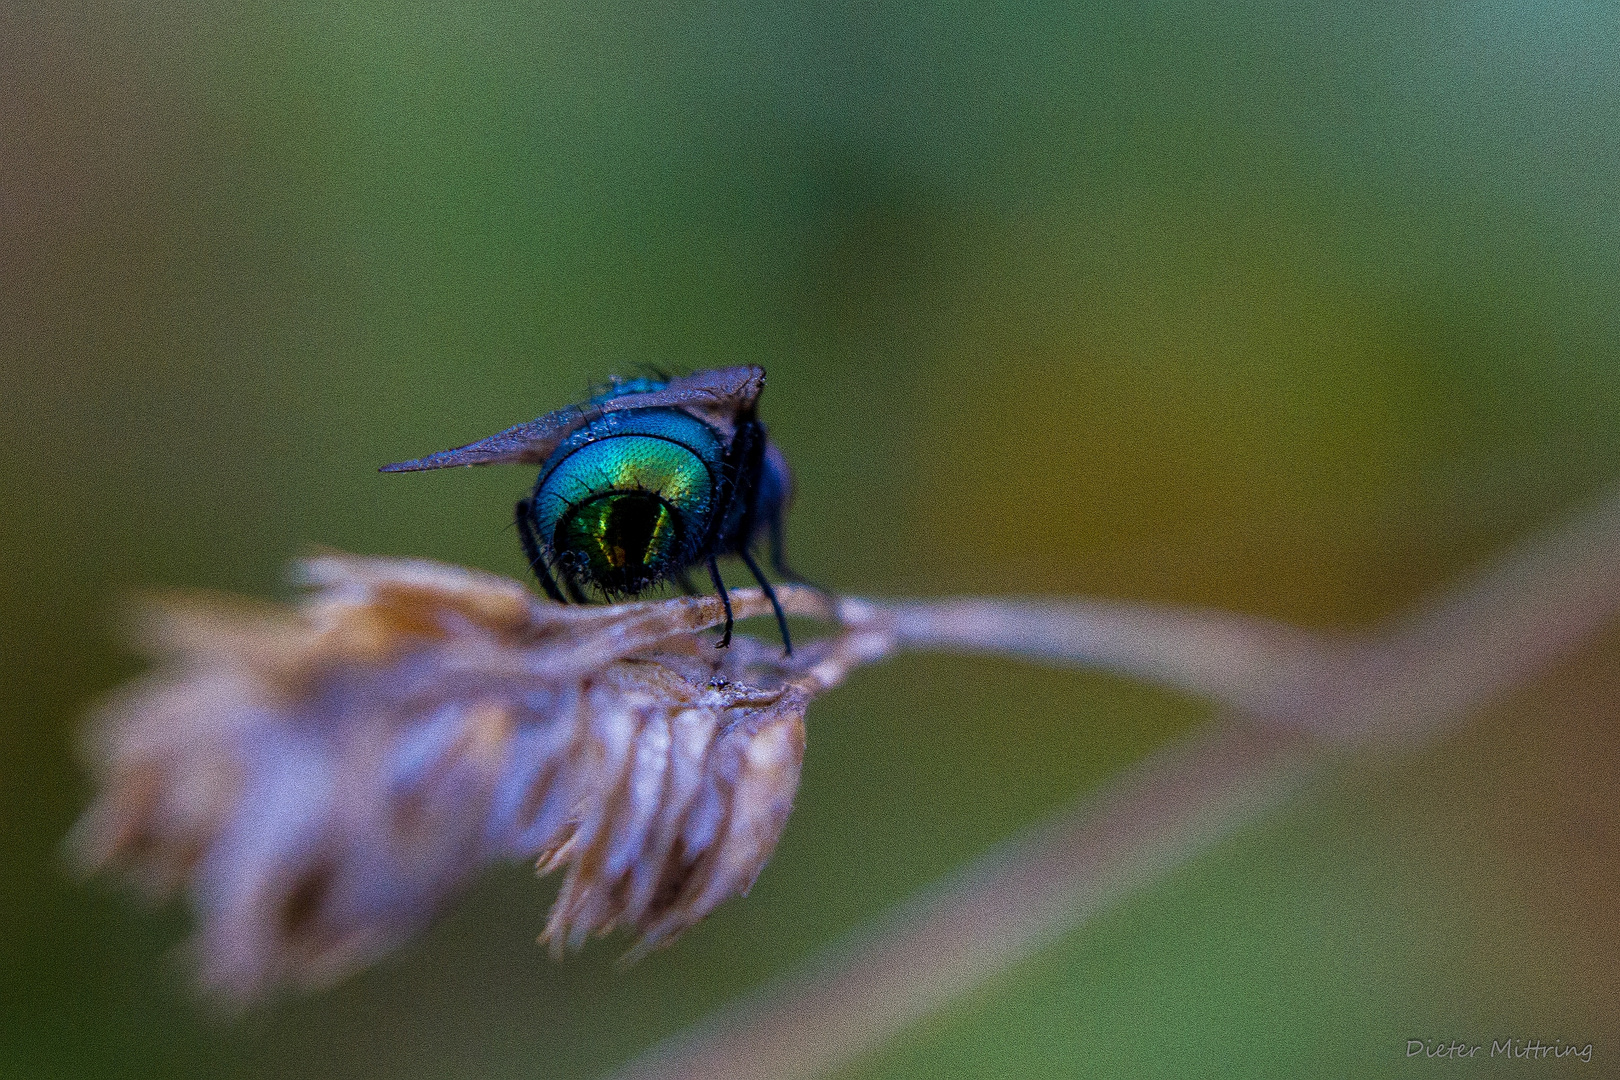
(1295, 704)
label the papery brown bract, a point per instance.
(323, 779)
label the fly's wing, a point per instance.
(529, 443)
(717, 397)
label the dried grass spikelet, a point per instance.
(322, 779)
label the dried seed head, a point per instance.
(323, 779)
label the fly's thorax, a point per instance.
(764, 487)
(628, 500)
(775, 482)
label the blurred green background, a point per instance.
(1294, 309)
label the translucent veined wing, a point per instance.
(719, 398)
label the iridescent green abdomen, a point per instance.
(646, 479)
(628, 500)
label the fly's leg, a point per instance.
(773, 528)
(770, 594)
(725, 598)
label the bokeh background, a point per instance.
(1295, 309)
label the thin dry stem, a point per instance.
(1428, 671)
